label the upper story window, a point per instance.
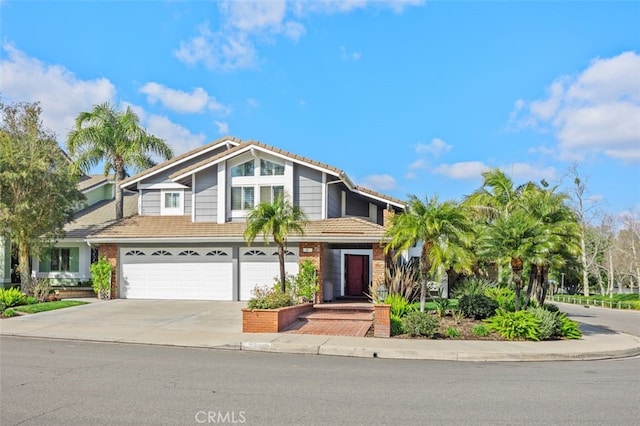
(268, 194)
(269, 168)
(172, 202)
(242, 198)
(244, 169)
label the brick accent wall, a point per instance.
(387, 214)
(315, 253)
(272, 320)
(110, 251)
(381, 320)
(379, 263)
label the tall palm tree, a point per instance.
(558, 240)
(115, 137)
(276, 220)
(512, 239)
(444, 230)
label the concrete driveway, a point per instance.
(171, 322)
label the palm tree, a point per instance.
(276, 220)
(558, 240)
(510, 238)
(444, 230)
(115, 137)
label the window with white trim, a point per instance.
(269, 168)
(172, 202)
(242, 197)
(244, 169)
(268, 194)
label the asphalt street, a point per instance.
(58, 382)
(612, 319)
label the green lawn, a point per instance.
(48, 306)
(618, 301)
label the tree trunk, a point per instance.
(532, 284)
(516, 267)
(25, 270)
(583, 260)
(119, 176)
(544, 288)
(283, 278)
(424, 271)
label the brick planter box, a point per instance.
(272, 320)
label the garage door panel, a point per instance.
(196, 277)
(261, 274)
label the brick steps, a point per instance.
(335, 320)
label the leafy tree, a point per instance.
(444, 230)
(276, 220)
(115, 137)
(38, 193)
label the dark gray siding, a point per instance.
(334, 201)
(164, 175)
(206, 194)
(307, 191)
(357, 206)
(150, 202)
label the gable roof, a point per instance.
(89, 182)
(179, 159)
(249, 145)
(137, 229)
(99, 215)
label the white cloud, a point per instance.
(223, 127)
(183, 102)
(462, 170)
(180, 138)
(435, 147)
(61, 94)
(420, 163)
(243, 24)
(379, 182)
(253, 103)
(529, 172)
(595, 112)
(349, 56)
(474, 170)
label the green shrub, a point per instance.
(514, 325)
(457, 315)
(569, 329)
(305, 285)
(11, 297)
(503, 296)
(31, 300)
(269, 298)
(471, 286)
(480, 330)
(477, 306)
(441, 306)
(101, 278)
(452, 333)
(549, 325)
(551, 307)
(8, 313)
(399, 305)
(396, 325)
(420, 324)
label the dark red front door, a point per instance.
(357, 274)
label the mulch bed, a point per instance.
(464, 326)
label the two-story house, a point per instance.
(186, 242)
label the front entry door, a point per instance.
(357, 274)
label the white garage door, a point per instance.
(176, 273)
(260, 267)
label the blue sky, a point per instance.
(407, 97)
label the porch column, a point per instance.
(315, 253)
(110, 252)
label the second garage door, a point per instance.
(172, 273)
(260, 267)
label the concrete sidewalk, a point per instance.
(217, 325)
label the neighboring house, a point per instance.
(68, 262)
(186, 242)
